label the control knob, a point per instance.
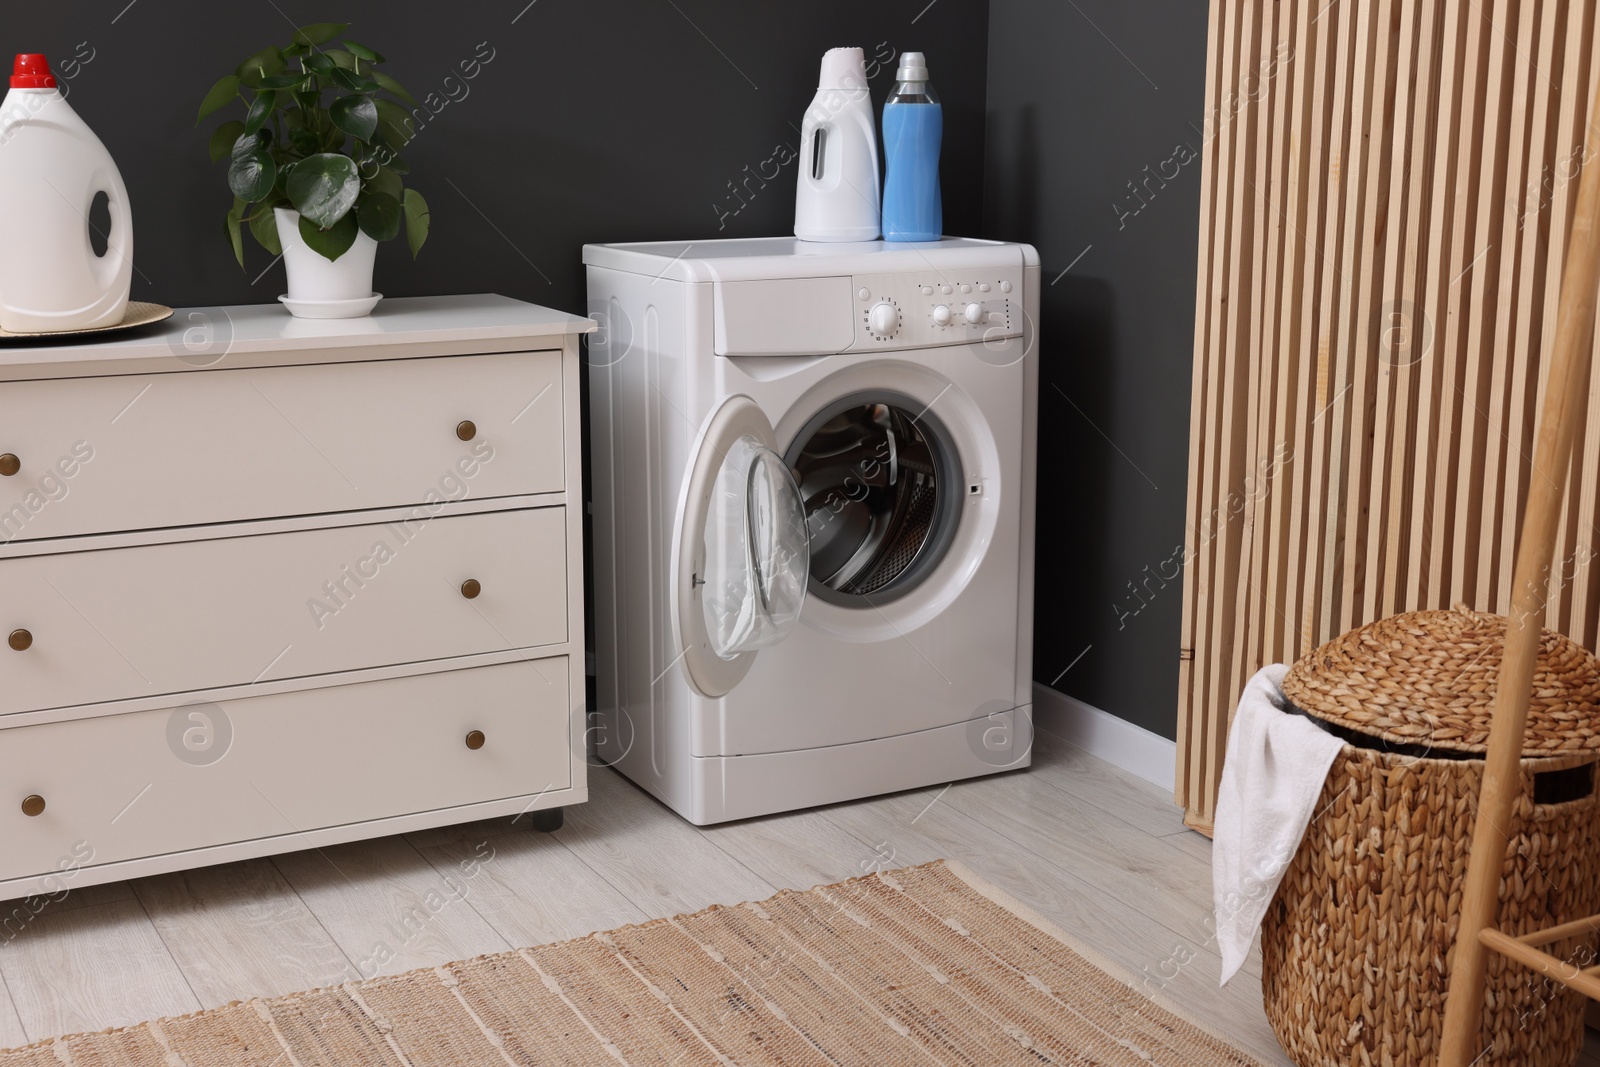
(942, 315)
(974, 314)
(884, 319)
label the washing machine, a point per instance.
(812, 509)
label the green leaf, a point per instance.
(341, 58)
(393, 86)
(385, 181)
(355, 115)
(292, 80)
(363, 52)
(333, 242)
(320, 64)
(323, 188)
(224, 138)
(416, 211)
(230, 227)
(264, 227)
(318, 33)
(356, 83)
(251, 171)
(395, 125)
(264, 64)
(226, 89)
(260, 108)
(379, 216)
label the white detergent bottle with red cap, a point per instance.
(52, 167)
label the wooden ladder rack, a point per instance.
(1563, 410)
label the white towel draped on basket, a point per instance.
(1276, 766)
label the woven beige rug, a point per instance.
(915, 966)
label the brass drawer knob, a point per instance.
(471, 588)
(9, 465)
(475, 740)
(466, 430)
(21, 640)
(33, 806)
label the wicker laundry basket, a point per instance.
(1356, 944)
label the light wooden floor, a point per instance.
(1102, 853)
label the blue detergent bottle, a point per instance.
(913, 127)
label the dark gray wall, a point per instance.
(1084, 96)
(596, 120)
(612, 120)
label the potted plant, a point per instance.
(318, 180)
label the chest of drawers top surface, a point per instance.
(252, 334)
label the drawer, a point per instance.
(159, 619)
(158, 450)
(165, 781)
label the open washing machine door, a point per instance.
(741, 553)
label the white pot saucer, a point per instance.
(332, 309)
(139, 313)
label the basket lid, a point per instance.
(1429, 677)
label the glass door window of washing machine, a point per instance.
(742, 557)
(755, 551)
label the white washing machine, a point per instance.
(813, 509)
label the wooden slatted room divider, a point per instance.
(1386, 191)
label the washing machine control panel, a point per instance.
(936, 308)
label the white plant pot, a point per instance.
(323, 288)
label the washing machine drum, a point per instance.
(880, 480)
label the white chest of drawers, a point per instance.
(269, 584)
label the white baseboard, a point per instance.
(1100, 733)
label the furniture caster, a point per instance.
(549, 820)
